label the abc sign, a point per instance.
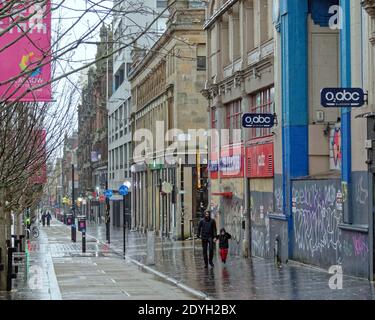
(258, 120)
(342, 97)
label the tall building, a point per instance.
(302, 190)
(93, 128)
(69, 159)
(169, 170)
(240, 79)
(127, 27)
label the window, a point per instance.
(126, 155)
(116, 159)
(161, 4)
(119, 77)
(128, 69)
(233, 120)
(121, 158)
(262, 102)
(201, 57)
(201, 62)
(121, 119)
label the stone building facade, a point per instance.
(167, 181)
(240, 79)
(93, 127)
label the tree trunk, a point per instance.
(5, 234)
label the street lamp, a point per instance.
(73, 226)
(124, 190)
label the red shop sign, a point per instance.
(259, 161)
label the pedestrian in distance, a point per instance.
(49, 218)
(223, 238)
(44, 216)
(207, 232)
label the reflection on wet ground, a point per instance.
(240, 278)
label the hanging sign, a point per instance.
(342, 97)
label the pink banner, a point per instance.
(25, 49)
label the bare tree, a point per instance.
(32, 132)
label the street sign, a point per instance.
(123, 190)
(342, 97)
(108, 193)
(258, 120)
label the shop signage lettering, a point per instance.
(258, 120)
(342, 97)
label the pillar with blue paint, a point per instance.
(345, 66)
(294, 64)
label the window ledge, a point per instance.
(354, 227)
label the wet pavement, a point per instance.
(41, 283)
(102, 273)
(242, 279)
(59, 270)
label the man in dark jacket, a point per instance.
(207, 232)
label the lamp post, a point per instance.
(98, 218)
(107, 216)
(124, 191)
(73, 227)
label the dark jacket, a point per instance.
(207, 229)
(223, 240)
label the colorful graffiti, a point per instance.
(361, 192)
(316, 220)
(360, 245)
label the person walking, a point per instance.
(49, 218)
(207, 232)
(223, 238)
(44, 216)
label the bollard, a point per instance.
(74, 233)
(83, 241)
(1, 263)
(10, 274)
(22, 239)
(150, 248)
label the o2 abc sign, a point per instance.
(342, 97)
(258, 120)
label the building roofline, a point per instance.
(165, 37)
